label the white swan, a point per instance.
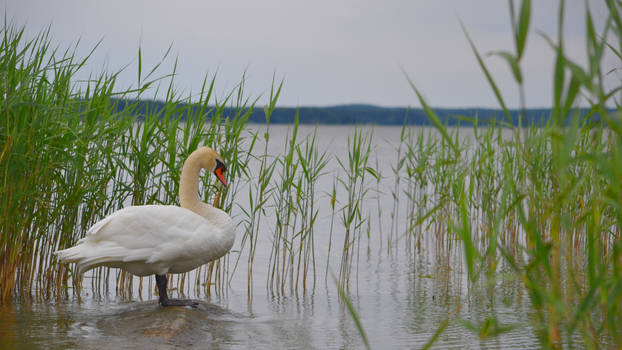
(161, 239)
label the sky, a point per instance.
(326, 52)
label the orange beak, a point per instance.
(220, 175)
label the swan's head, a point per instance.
(210, 160)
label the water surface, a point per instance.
(402, 296)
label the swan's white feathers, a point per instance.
(151, 239)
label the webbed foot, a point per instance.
(179, 302)
(165, 301)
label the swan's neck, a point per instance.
(189, 192)
(189, 185)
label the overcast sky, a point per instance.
(327, 52)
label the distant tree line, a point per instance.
(353, 114)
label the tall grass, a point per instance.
(72, 153)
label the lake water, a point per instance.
(401, 296)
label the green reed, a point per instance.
(396, 191)
(312, 162)
(544, 203)
(292, 256)
(72, 154)
(417, 161)
(356, 187)
(282, 254)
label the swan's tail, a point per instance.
(68, 255)
(83, 253)
(87, 256)
(71, 255)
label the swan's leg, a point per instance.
(164, 300)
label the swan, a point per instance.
(159, 239)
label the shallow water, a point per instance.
(401, 297)
(401, 310)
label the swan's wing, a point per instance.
(157, 235)
(148, 227)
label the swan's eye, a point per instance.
(220, 165)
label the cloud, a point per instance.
(328, 52)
